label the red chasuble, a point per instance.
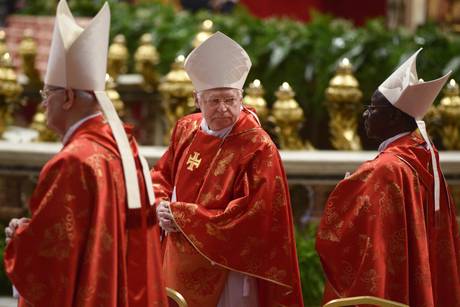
(233, 211)
(381, 236)
(83, 246)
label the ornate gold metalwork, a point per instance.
(28, 53)
(177, 91)
(255, 98)
(3, 47)
(118, 57)
(39, 124)
(288, 117)
(114, 96)
(343, 98)
(206, 30)
(10, 90)
(449, 113)
(146, 58)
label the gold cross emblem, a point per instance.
(193, 161)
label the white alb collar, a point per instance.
(75, 126)
(388, 141)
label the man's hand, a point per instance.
(14, 224)
(165, 217)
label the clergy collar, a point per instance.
(75, 126)
(219, 133)
(388, 141)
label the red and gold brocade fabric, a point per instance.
(233, 211)
(380, 235)
(83, 247)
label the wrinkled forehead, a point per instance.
(220, 92)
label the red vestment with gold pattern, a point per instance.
(83, 246)
(380, 234)
(233, 211)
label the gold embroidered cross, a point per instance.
(193, 161)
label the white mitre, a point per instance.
(218, 62)
(413, 96)
(78, 60)
(407, 92)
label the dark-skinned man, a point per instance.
(389, 230)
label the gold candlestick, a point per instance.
(343, 98)
(449, 112)
(28, 53)
(176, 89)
(146, 59)
(118, 57)
(255, 99)
(206, 30)
(288, 117)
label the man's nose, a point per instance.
(222, 106)
(44, 103)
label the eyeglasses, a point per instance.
(214, 102)
(371, 107)
(46, 93)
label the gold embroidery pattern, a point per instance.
(58, 239)
(222, 165)
(201, 280)
(215, 232)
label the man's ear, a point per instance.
(70, 99)
(197, 103)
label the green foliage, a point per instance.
(304, 54)
(311, 273)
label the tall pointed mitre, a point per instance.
(413, 96)
(78, 60)
(218, 62)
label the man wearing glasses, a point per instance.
(223, 199)
(389, 229)
(92, 239)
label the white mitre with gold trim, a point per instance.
(404, 90)
(78, 60)
(218, 62)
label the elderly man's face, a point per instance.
(220, 107)
(52, 100)
(377, 116)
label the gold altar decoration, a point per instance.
(146, 58)
(28, 53)
(39, 124)
(114, 96)
(255, 98)
(449, 113)
(206, 30)
(177, 91)
(3, 47)
(288, 116)
(117, 63)
(10, 90)
(343, 98)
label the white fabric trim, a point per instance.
(240, 290)
(388, 141)
(127, 158)
(422, 128)
(75, 126)
(148, 180)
